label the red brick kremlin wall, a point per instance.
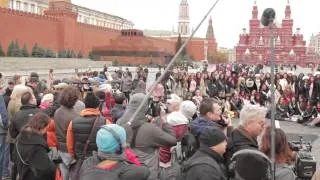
(58, 29)
(57, 33)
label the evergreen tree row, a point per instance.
(14, 50)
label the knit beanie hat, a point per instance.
(106, 142)
(91, 100)
(188, 109)
(212, 136)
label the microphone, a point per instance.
(268, 16)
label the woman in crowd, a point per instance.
(109, 162)
(31, 150)
(284, 156)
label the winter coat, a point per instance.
(201, 123)
(239, 140)
(206, 164)
(149, 137)
(4, 116)
(79, 130)
(180, 126)
(62, 118)
(51, 134)
(20, 119)
(31, 157)
(123, 168)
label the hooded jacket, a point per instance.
(124, 169)
(31, 158)
(149, 137)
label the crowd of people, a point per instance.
(82, 128)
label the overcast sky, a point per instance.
(229, 16)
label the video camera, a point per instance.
(305, 163)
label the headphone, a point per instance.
(232, 172)
(116, 136)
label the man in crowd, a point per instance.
(210, 116)
(252, 121)
(19, 120)
(208, 163)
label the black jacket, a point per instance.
(239, 140)
(30, 156)
(20, 119)
(124, 169)
(205, 164)
(81, 127)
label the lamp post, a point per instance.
(267, 19)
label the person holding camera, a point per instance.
(284, 155)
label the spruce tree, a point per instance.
(62, 54)
(49, 53)
(10, 49)
(16, 50)
(42, 52)
(24, 51)
(1, 51)
(35, 50)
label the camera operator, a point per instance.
(284, 155)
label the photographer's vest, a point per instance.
(81, 127)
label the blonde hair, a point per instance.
(251, 112)
(18, 91)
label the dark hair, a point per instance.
(206, 106)
(91, 100)
(283, 151)
(25, 98)
(38, 121)
(69, 96)
(119, 98)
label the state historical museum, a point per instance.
(254, 46)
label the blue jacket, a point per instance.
(200, 123)
(4, 116)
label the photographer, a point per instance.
(284, 155)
